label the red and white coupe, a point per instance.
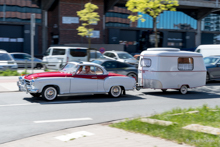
(68, 81)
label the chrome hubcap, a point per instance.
(50, 93)
(116, 91)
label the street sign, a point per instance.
(102, 50)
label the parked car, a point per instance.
(121, 56)
(208, 50)
(6, 61)
(212, 64)
(118, 67)
(68, 81)
(24, 60)
(57, 56)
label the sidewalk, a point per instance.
(8, 83)
(99, 135)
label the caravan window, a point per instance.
(145, 62)
(185, 63)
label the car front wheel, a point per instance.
(49, 93)
(115, 91)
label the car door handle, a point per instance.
(94, 77)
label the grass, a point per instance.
(175, 132)
(12, 73)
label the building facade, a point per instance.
(15, 18)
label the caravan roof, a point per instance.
(173, 52)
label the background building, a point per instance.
(15, 26)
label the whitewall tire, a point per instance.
(115, 91)
(49, 93)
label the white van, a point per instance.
(208, 50)
(57, 57)
(170, 68)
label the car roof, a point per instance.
(18, 53)
(66, 47)
(3, 51)
(117, 51)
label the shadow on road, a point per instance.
(97, 98)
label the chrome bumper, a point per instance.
(22, 86)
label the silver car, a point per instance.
(24, 60)
(6, 61)
(121, 56)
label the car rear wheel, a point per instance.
(49, 93)
(183, 89)
(35, 94)
(133, 75)
(39, 66)
(115, 91)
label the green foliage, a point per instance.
(206, 116)
(151, 7)
(24, 72)
(9, 73)
(89, 17)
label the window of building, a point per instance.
(145, 62)
(185, 63)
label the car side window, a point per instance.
(18, 56)
(122, 65)
(99, 71)
(59, 51)
(107, 54)
(110, 64)
(112, 55)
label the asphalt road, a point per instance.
(23, 116)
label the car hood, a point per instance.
(134, 61)
(210, 65)
(47, 74)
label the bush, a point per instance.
(9, 73)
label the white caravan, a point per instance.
(170, 68)
(208, 49)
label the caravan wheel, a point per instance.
(183, 89)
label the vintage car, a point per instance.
(69, 81)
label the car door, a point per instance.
(215, 71)
(82, 83)
(111, 66)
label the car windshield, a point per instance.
(96, 55)
(210, 60)
(124, 56)
(4, 57)
(69, 68)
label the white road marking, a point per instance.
(62, 120)
(17, 104)
(75, 135)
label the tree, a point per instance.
(151, 7)
(89, 17)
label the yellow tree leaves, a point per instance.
(150, 7)
(89, 17)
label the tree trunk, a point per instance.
(88, 50)
(155, 30)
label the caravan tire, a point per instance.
(183, 89)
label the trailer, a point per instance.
(170, 68)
